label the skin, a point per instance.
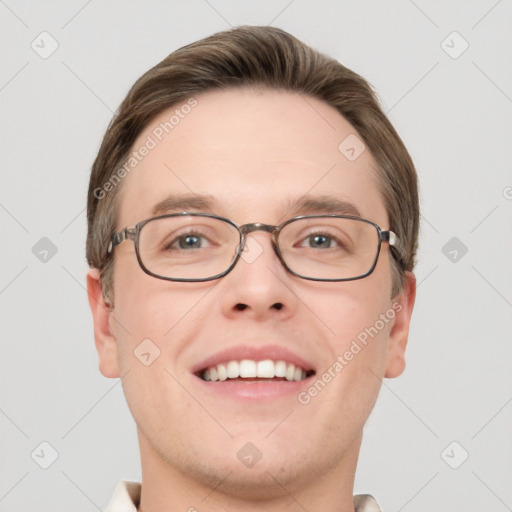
(253, 151)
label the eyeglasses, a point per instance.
(195, 247)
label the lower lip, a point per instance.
(254, 389)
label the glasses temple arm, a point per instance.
(121, 236)
(394, 243)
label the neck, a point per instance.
(166, 488)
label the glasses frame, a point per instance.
(134, 234)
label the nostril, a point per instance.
(243, 307)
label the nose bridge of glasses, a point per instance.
(257, 226)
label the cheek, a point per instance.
(155, 321)
(155, 315)
(357, 343)
(350, 308)
(145, 305)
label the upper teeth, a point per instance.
(247, 368)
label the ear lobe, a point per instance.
(399, 334)
(104, 338)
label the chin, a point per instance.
(266, 478)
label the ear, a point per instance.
(403, 305)
(104, 339)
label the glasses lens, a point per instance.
(329, 247)
(188, 246)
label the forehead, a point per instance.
(253, 153)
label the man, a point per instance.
(253, 222)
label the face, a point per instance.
(254, 154)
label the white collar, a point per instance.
(126, 498)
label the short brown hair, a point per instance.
(253, 56)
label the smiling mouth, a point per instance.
(250, 370)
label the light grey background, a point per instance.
(454, 115)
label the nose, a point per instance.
(259, 286)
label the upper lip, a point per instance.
(255, 353)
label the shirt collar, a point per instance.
(126, 498)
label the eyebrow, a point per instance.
(183, 202)
(304, 205)
(322, 204)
